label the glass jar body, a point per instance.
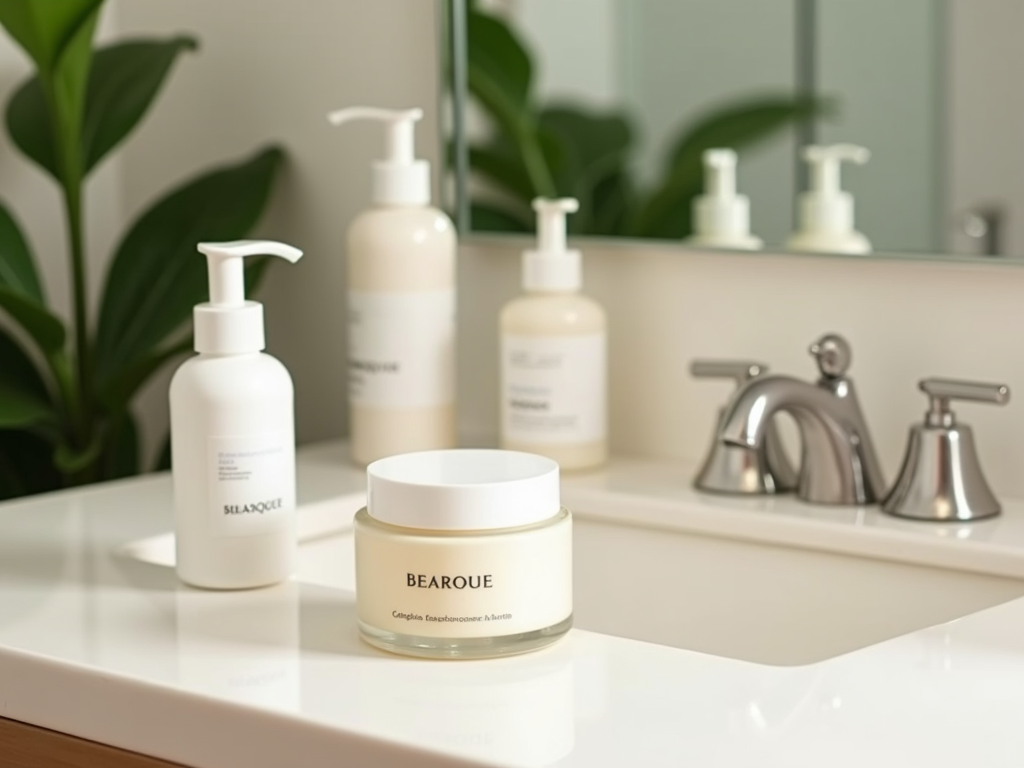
(463, 594)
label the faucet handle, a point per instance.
(941, 391)
(941, 477)
(740, 371)
(833, 354)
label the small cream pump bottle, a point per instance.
(401, 304)
(463, 554)
(553, 354)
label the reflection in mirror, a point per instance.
(615, 102)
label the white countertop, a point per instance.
(113, 649)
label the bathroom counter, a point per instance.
(110, 648)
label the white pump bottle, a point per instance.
(233, 437)
(721, 217)
(401, 304)
(826, 211)
(553, 354)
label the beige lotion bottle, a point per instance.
(401, 304)
(553, 354)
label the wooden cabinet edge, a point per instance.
(29, 746)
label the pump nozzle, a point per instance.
(399, 179)
(550, 266)
(722, 217)
(224, 265)
(824, 162)
(720, 172)
(551, 225)
(826, 211)
(228, 324)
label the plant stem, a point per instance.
(66, 143)
(83, 352)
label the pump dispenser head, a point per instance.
(722, 217)
(228, 324)
(826, 211)
(550, 266)
(399, 179)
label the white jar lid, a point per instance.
(463, 490)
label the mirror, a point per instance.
(615, 101)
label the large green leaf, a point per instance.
(20, 409)
(24, 398)
(501, 165)
(44, 28)
(69, 84)
(42, 325)
(499, 67)
(666, 213)
(17, 269)
(744, 123)
(593, 147)
(31, 126)
(593, 143)
(119, 389)
(17, 368)
(44, 117)
(157, 276)
(26, 465)
(123, 82)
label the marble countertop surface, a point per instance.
(111, 648)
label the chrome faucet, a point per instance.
(837, 459)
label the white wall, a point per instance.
(905, 319)
(268, 71)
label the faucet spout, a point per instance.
(747, 416)
(838, 461)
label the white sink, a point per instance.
(763, 603)
(760, 602)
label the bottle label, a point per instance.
(465, 586)
(401, 349)
(252, 483)
(553, 388)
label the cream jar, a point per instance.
(463, 554)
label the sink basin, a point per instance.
(761, 602)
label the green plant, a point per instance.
(563, 150)
(66, 394)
